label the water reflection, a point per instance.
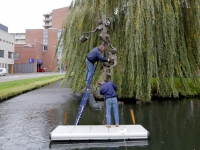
(108, 145)
(27, 120)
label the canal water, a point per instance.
(27, 120)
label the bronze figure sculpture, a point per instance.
(107, 66)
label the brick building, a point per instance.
(38, 51)
(28, 58)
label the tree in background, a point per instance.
(154, 39)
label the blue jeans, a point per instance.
(89, 69)
(112, 103)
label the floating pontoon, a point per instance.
(98, 132)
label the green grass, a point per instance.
(14, 88)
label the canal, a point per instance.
(27, 120)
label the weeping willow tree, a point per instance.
(154, 39)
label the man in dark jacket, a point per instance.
(108, 90)
(93, 56)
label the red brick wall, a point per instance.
(58, 16)
(34, 35)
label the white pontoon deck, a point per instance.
(98, 132)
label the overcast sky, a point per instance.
(19, 15)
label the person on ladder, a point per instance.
(92, 57)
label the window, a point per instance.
(45, 34)
(45, 48)
(45, 41)
(16, 56)
(10, 55)
(2, 53)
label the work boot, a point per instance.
(108, 126)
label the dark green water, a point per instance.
(173, 125)
(27, 120)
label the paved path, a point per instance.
(19, 76)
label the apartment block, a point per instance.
(47, 20)
(55, 18)
(19, 38)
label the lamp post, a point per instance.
(60, 60)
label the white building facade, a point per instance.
(7, 41)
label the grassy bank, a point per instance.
(14, 88)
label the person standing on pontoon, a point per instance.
(108, 90)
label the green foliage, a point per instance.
(154, 38)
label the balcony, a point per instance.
(49, 14)
(47, 19)
(47, 25)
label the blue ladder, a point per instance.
(85, 97)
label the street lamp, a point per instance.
(60, 60)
